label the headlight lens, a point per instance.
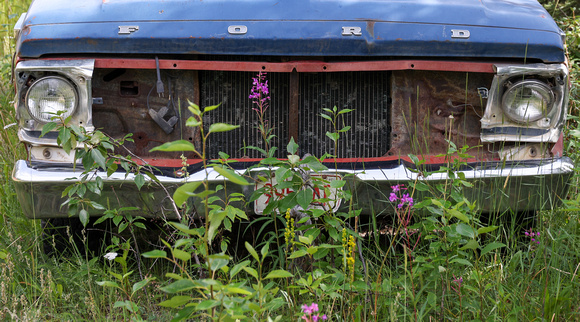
(50, 95)
(527, 101)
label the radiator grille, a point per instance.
(366, 93)
(232, 89)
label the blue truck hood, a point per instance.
(498, 29)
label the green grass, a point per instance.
(523, 281)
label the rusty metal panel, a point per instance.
(123, 97)
(432, 107)
(300, 66)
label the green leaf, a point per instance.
(176, 301)
(298, 254)
(122, 226)
(155, 254)
(178, 286)
(215, 222)
(294, 159)
(222, 127)
(231, 175)
(194, 109)
(207, 304)
(465, 230)
(304, 198)
(139, 181)
(337, 184)
(184, 229)
(211, 108)
(117, 219)
(182, 255)
(292, 147)
(491, 246)
(484, 230)
(326, 116)
(139, 285)
(97, 205)
(84, 217)
(461, 261)
(459, 215)
(179, 145)
(173, 276)
(252, 251)
(420, 186)
(333, 136)
(306, 239)
(193, 122)
(185, 191)
(312, 250)
(251, 271)
(345, 110)
(98, 158)
(217, 261)
(238, 267)
(132, 307)
(47, 128)
(238, 290)
(264, 250)
(108, 284)
(472, 244)
(278, 273)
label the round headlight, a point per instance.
(50, 96)
(527, 101)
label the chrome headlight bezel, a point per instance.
(77, 72)
(65, 88)
(536, 100)
(499, 126)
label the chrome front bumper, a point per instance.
(497, 187)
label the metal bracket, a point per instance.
(159, 118)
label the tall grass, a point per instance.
(526, 281)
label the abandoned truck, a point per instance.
(418, 75)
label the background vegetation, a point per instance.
(401, 277)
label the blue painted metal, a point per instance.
(513, 29)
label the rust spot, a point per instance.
(399, 39)
(431, 107)
(371, 28)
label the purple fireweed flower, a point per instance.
(314, 307)
(260, 87)
(407, 198)
(458, 282)
(532, 235)
(393, 197)
(308, 313)
(396, 188)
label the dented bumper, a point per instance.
(497, 186)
